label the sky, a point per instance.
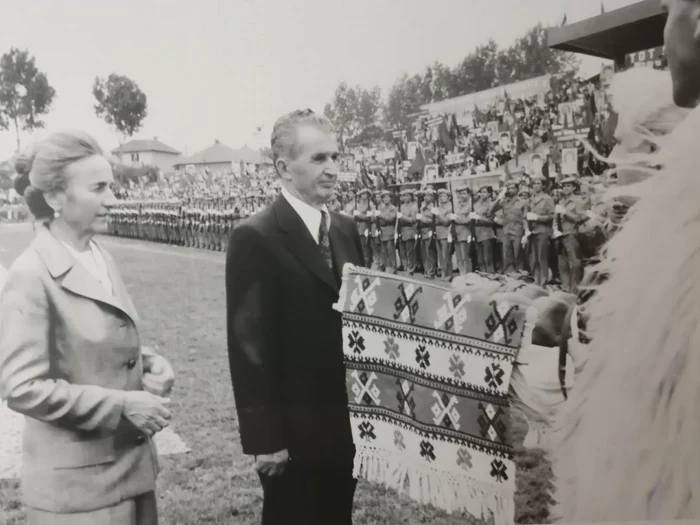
(219, 69)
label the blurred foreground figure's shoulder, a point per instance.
(631, 453)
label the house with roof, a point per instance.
(138, 153)
(219, 158)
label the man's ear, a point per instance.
(282, 168)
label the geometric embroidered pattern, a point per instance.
(491, 422)
(406, 304)
(501, 324)
(364, 297)
(451, 315)
(428, 374)
(366, 392)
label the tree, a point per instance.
(368, 104)
(353, 109)
(405, 97)
(535, 58)
(121, 103)
(25, 93)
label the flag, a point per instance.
(418, 165)
(402, 151)
(445, 137)
(478, 116)
(563, 21)
(454, 128)
(366, 179)
(609, 129)
(381, 181)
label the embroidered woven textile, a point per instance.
(427, 373)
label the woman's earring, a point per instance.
(56, 214)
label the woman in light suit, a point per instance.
(70, 356)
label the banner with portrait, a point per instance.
(412, 149)
(431, 172)
(492, 131)
(569, 161)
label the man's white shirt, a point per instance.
(309, 215)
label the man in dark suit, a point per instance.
(285, 343)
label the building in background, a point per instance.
(220, 158)
(139, 153)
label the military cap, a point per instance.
(510, 183)
(463, 188)
(407, 191)
(569, 180)
(363, 191)
(486, 187)
(443, 191)
(427, 191)
(384, 193)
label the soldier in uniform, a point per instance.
(334, 204)
(363, 219)
(387, 232)
(572, 213)
(515, 211)
(378, 262)
(426, 220)
(349, 205)
(443, 233)
(540, 219)
(463, 230)
(484, 229)
(408, 221)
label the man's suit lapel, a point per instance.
(339, 244)
(298, 240)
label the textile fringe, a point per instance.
(432, 487)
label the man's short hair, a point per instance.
(284, 136)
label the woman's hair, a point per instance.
(43, 168)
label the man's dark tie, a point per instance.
(324, 242)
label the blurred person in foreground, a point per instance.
(627, 438)
(70, 356)
(285, 340)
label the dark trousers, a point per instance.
(539, 257)
(484, 254)
(308, 496)
(407, 252)
(511, 253)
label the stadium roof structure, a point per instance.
(139, 146)
(614, 34)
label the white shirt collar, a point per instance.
(309, 215)
(93, 262)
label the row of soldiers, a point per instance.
(523, 228)
(520, 229)
(197, 223)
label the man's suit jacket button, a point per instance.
(131, 363)
(140, 440)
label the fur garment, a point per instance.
(626, 442)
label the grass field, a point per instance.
(179, 293)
